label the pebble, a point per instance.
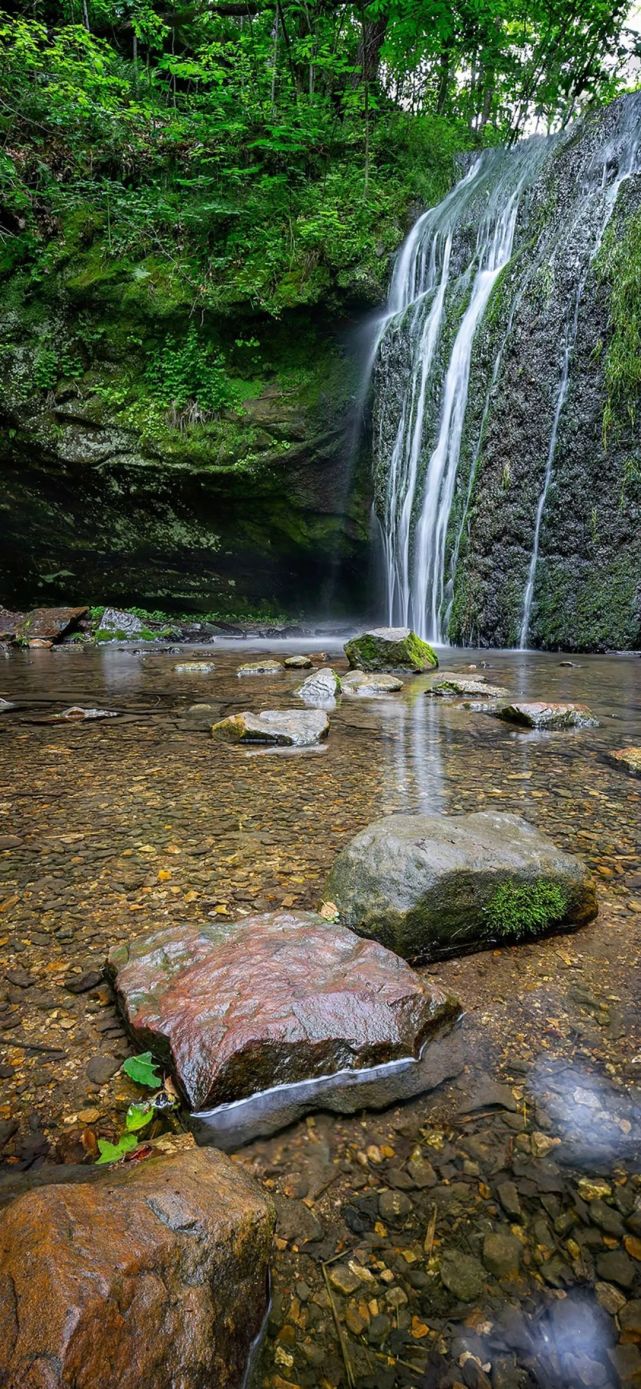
(101, 1068)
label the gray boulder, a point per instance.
(428, 886)
(323, 687)
(287, 728)
(390, 648)
(369, 684)
(531, 714)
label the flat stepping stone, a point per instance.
(530, 714)
(390, 648)
(202, 715)
(432, 885)
(285, 728)
(298, 663)
(370, 684)
(261, 668)
(77, 714)
(628, 759)
(461, 685)
(194, 667)
(270, 1000)
(323, 687)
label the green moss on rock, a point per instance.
(390, 648)
(524, 909)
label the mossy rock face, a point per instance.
(390, 648)
(427, 886)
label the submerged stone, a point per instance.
(151, 1273)
(530, 714)
(629, 759)
(76, 713)
(261, 668)
(202, 715)
(390, 648)
(433, 885)
(48, 624)
(323, 687)
(270, 1000)
(286, 728)
(194, 668)
(368, 685)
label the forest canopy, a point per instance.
(271, 149)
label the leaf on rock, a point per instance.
(113, 1152)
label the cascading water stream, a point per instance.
(424, 353)
(423, 294)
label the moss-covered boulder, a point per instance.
(390, 648)
(428, 886)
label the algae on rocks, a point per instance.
(390, 649)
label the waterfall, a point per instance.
(423, 356)
(472, 229)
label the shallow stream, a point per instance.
(110, 828)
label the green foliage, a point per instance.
(189, 380)
(139, 1115)
(522, 909)
(142, 1069)
(113, 1152)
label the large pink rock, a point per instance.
(283, 997)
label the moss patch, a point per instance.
(525, 909)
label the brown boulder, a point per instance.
(151, 1274)
(48, 623)
(235, 1009)
(629, 759)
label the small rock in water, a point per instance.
(194, 668)
(458, 685)
(320, 1000)
(120, 624)
(432, 885)
(629, 759)
(100, 1069)
(76, 714)
(322, 687)
(545, 716)
(390, 648)
(39, 644)
(261, 668)
(462, 1275)
(298, 663)
(286, 728)
(369, 684)
(202, 715)
(6, 706)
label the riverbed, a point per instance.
(110, 828)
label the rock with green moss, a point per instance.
(390, 648)
(261, 668)
(428, 886)
(291, 728)
(362, 684)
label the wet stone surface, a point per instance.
(110, 829)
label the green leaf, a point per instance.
(112, 1152)
(142, 1070)
(138, 1116)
